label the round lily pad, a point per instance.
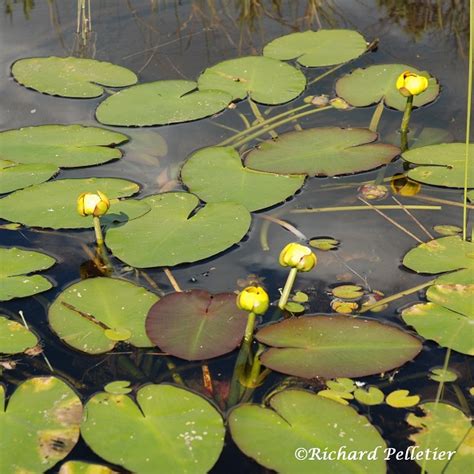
(53, 204)
(335, 346)
(168, 430)
(317, 48)
(287, 435)
(119, 387)
(84, 312)
(402, 399)
(15, 266)
(369, 396)
(66, 146)
(265, 80)
(71, 77)
(441, 165)
(14, 337)
(167, 235)
(366, 86)
(39, 425)
(17, 176)
(80, 467)
(325, 151)
(196, 325)
(216, 174)
(161, 103)
(348, 291)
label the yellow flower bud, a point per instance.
(409, 83)
(253, 298)
(90, 204)
(298, 256)
(404, 186)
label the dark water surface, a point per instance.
(173, 40)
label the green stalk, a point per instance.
(377, 115)
(405, 122)
(260, 119)
(98, 231)
(287, 289)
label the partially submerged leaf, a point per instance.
(167, 236)
(169, 429)
(17, 176)
(70, 76)
(216, 174)
(443, 375)
(14, 337)
(196, 325)
(325, 151)
(446, 229)
(335, 346)
(80, 467)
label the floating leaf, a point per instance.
(71, 77)
(39, 426)
(325, 151)
(53, 204)
(324, 244)
(370, 396)
(448, 317)
(339, 397)
(167, 236)
(300, 297)
(119, 387)
(160, 103)
(282, 436)
(170, 429)
(216, 174)
(402, 399)
(15, 266)
(341, 384)
(443, 255)
(441, 165)
(82, 313)
(265, 80)
(348, 291)
(335, 346)
(441, 375)
(196, 325)
(446, 229)
(14, 337)
(367, 86)
(344, 307)
(444, 428)
(79, 467)
(317, 48)
(295, 308)
(17, 176)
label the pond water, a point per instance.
(161, 40)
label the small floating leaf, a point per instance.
(325, 244)
(41, 422)
(93, 314)
(15, 266)
(369, 396)
(160, 103)
(169, 429)
(341, 384)
(281, 436)
(196, 325)
(344, 307)
(216, 174)
(339, 397)
(348, 291)
(325, 151)
(441, 375)
(14, 337)
(79, 467)
(119, 387)
(17, 176)
(167, 236)
(265, 80)
(441, 165)
(335, 346)
(446, 229)
(317, 48)
(363, 87)
(71, 77)
(300, 297)
(402, 399)
(295, 308)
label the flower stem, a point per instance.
(99, 237)
(287, 289)
(405, 122)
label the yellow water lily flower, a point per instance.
(253, 299)
(409, 83)
(298, 256)
(91, 204)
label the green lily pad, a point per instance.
(39, 425)
(446, 229)
(300, 297)
(324, 243)
(80, 467)
(441, 165)
(287, 435)
(335, 346)
(53, 204)
(196, 325)
(448, 317)
(71, 77)
(370, 396)
(443, 375)
(265, 80)
(161, 103)
(15, 266)
(65, 146)
(348, 292)
(167, 236)
(402, 399)
(294, 308)
(84, 311)
(169, 429)
(119, 387)
(363, 87)
(446, 429)
(216, 174)
(317, 48)
(14, 337)
(341, 384)
(17, 176)
(443, 255)
(325, 151)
